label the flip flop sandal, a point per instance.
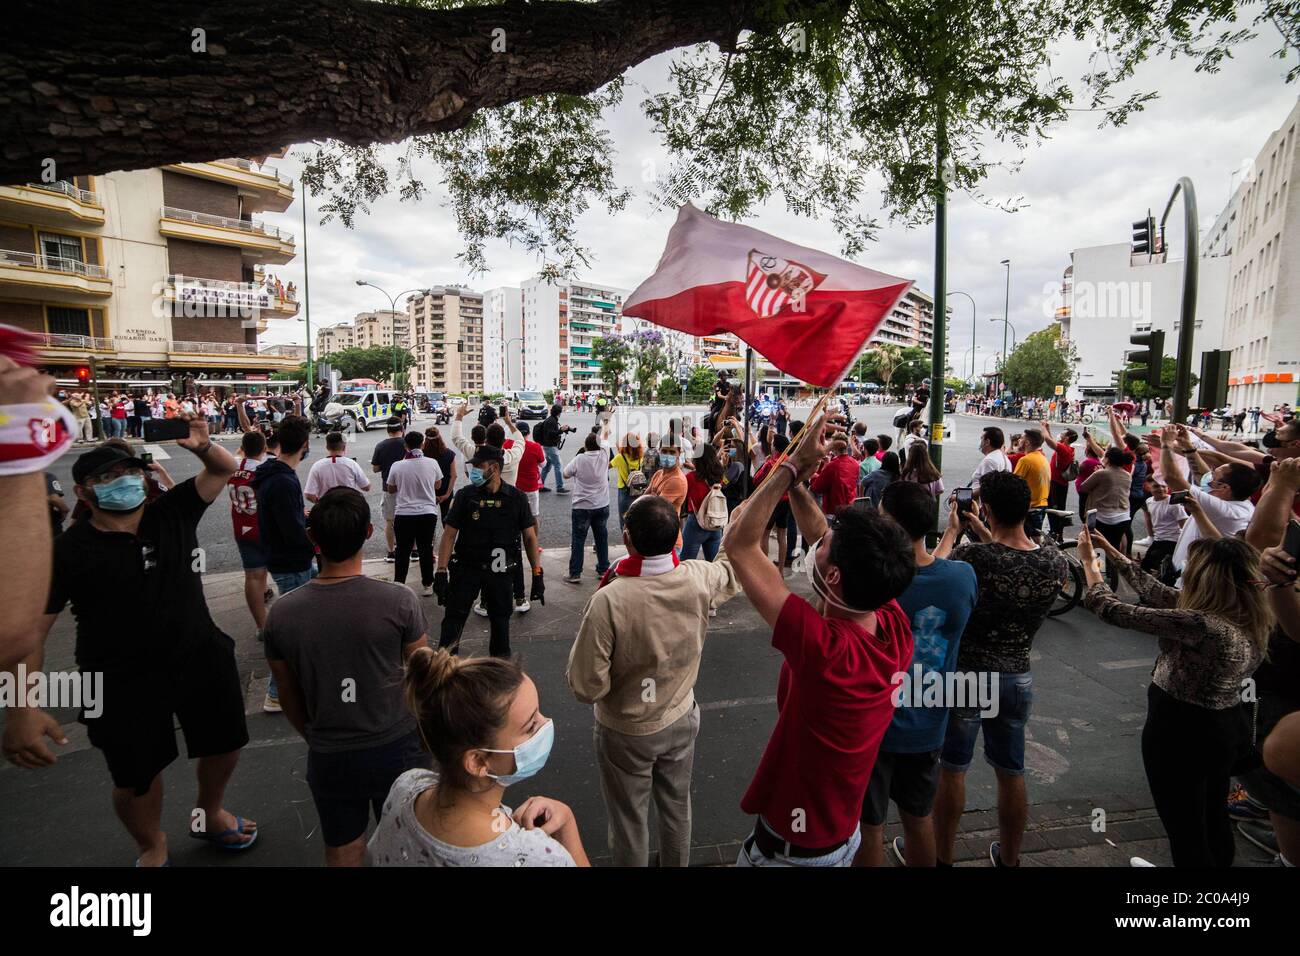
(219, 839)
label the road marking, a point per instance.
(1125, 665)
(737, 702)
(157, 452)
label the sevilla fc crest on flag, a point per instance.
(808, 313)
(774, 282)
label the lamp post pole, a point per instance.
(1006, 317)
(972, 325)
(392, 308)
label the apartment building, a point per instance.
(561, 322)
(1257, 232)
(335, 338)
(158, 275)
(446, 328)
(910, 324)
(503, 339)
(383, 327)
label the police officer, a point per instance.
(483, 528)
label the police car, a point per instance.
(362, 408)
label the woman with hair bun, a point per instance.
(480, 719)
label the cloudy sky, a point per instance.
(1082, 187)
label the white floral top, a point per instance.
(399, 840)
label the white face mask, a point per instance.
(818, 582)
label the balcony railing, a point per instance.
(215, 348)
(69, 190)
(66, 340)
(264, 294)
(32, 260)
(252, 167)
(250, 226)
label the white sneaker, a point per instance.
(271, 705)
(428, 590)
(1138, 861)
(479, 609)
(523, 606)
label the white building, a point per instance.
(1110, 294)
(1258, 230)
(503, 339)
(560, 324)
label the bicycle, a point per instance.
(1072, 590)
(1069, 418)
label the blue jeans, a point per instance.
(750, 855)
(694, 537)
(1004, 734)
(552, 461)
(286, 581)
(596, 519)
(624, 502)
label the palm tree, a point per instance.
(888, 357)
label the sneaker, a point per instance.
(1260, 834)
(391, 558)
(271, 705)
(428, 590)
(562, 491)
(1242, 806)
(897, 847)
(522, 605)
(573, 579)
(544, 490)
(479, 609)
(995, 854)
(1138, 861)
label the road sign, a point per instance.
(1060, 390)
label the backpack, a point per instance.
(712, 514)
(636, 484)
(902, 418)
(1071, 472)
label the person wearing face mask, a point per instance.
(414, 480)
(481, 720)
(163, 662)
(669, 481)
(589, 473)
(626, 463)
(479, 548)
(282, 520)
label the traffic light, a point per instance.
(83, 375)
(1152, 358)
(1144, 236)
(1214, 379)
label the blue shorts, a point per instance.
(1004, 734)
(252, 555)
(349, 786)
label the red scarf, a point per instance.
(629, 567)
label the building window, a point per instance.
(56, 246)
(64, 321)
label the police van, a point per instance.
(365, 407)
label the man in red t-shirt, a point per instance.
(243, 520)
(842, 662)
(1058, 491)
(528, 477)
(837, 479)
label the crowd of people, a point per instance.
(123, 414)
(401, 729)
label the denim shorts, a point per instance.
(252, 555)
(1004, 734)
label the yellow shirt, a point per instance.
(624, 466)
(1037, 473)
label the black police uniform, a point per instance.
(488, 525)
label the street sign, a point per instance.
(1060, 390)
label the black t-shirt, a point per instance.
(446, 462)
(137, 598)
(486, 520)
(387, 453)
(52, 487)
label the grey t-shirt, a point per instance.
(343, 642)
(399, 840)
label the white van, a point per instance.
(371, 407)
(528, 404)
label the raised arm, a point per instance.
(1268, 523)
(218, 464)
(1173, 475)
(1117, 431)
(808, 516)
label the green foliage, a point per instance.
(615, 357)
(699, 387)
(805, 102)
(1039, 364)
(1168, 372)
(375, 362)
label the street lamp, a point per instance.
(505, 356)
(392, 307)
(1006, 307)
(1004, 334)
(972, 325)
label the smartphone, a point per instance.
(1291, 542)
(146, 457)
(1092, 520)
(166, 429)
(1178, 497)
(965, 500)
(867, 502)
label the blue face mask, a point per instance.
(121, 494)
(476, 476)
(530, 756)
(667, 461)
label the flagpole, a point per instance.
(938, 352)
(749, 373)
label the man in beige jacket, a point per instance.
(636, 657)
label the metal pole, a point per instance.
(306, 287)
(749, 377)
(937, 356)
(1191, 264)
(1006, 323)
(94, 391)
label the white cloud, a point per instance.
(1081, 187)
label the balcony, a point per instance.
(256, 239)
(59, 204)
(26, 272)
(263, 188)
(228, 355)
(66, 347)
(215, 297)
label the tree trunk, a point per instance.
(98, 86)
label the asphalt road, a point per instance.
(960, 458)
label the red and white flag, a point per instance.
(806, 312)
